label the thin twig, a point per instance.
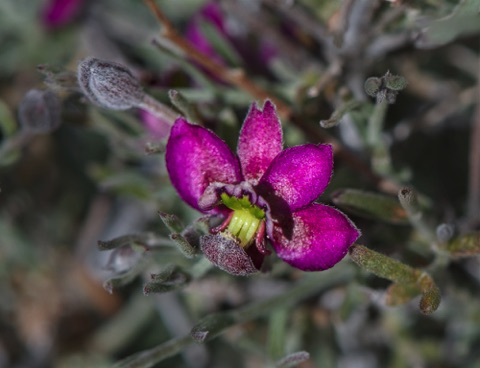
(158, 109)
(388, 18)
(234, 76)
(328, 75)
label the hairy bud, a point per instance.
(108, 84)
(39, 111)
(395, 82)
(385, 88)
(372, 86)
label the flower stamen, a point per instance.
(246, 220)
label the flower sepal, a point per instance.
(225, 252)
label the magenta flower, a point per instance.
(212, 14)
(57, 13)
(263, 192)
(256, 55)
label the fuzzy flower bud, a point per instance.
(395, 82)
(385, 88)
(372, 86)
(108, 84)
(39, 111)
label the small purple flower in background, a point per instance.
(57, 13)
(263, 191)
(212, 14)
(256, 56)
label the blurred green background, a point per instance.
(91, 180)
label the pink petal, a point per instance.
(211, 14)
(260, 141)
(196, 157)
(320, 238)
(298, 175)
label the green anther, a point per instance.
(245, 220)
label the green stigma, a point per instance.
(246, 218)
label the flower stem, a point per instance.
(277, 325)
(375, 123)
(409, 200)
(393, 270)
(158, 109)
(381, 161)
(149, 358)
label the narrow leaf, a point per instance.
(465, 245)
(371, 205)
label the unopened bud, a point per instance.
(108, 84)
(39, 111)
(372, 86)
(395, 82)
(385, 88)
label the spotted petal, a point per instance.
(196, 157)
(260, 141)
(320, 238)
(298, 175)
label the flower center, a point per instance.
(245, 220)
